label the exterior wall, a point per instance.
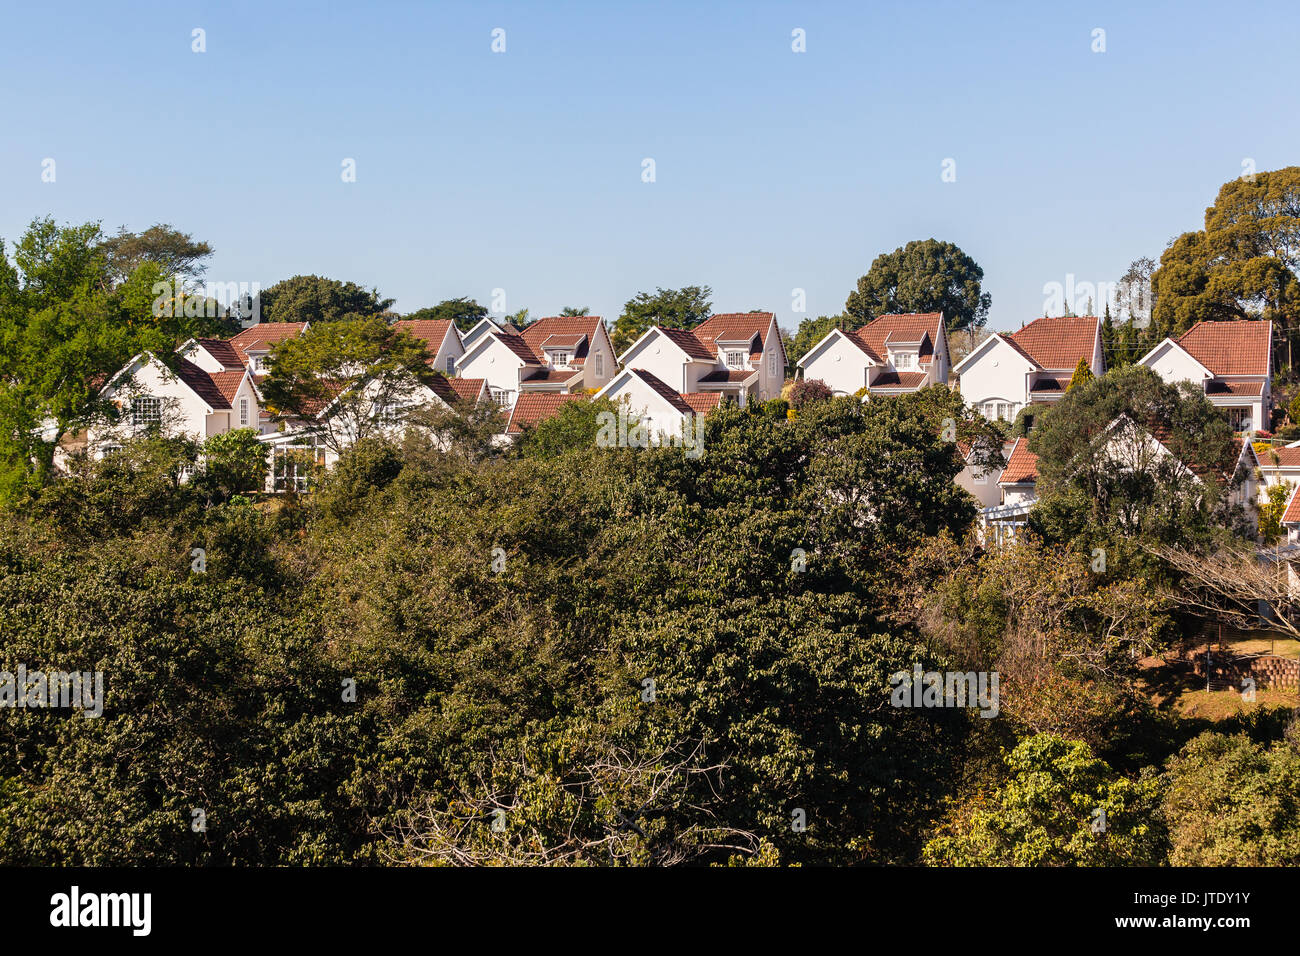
(450, 348)
(1018, 494)
(183, 412)
(666, 362)
(982, 483)
(600, 346)
(999, 374)
(841, 365)
(771, 379)
(1174, 365)
(497, 364)
(658, 416)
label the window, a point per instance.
(904, 360)
(561, 359)
(451, 364)
(736, 359)
(502, 396)
(600, 364)
(259, 363)
(146, 411)
(1239, 419)
(243, 412)
(771, 364)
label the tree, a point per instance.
(233, 462)
(806, 391)
(1101, 477)
(1243, 264)
(1082, 375)
(926, 275)
(177, 254)
(1272, 510)
(464, 311)
(1062, 806)
(345, 380)
(1233, 802)
(682, 308)
(574, 427)
(571, 310)
(810, 332)
(317, 299)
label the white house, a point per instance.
(891, 355)
(738, 355)
(981, 479)
(662, 410)
(192, 400)
(253, 345)
(1009, 371)
(1231, 361)
(559, 354)
(442, 339)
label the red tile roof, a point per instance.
(223, 352)
(260, 337)
(899, 380)
(731, 375)
(432, 331)
(1051, 383)
(227, 383)
(1218, 387)
(202, 383)
(689, 344)
(899, 327)
(702, 402)
(536, 333)
(664, 390)
(1230, 348)
(534, 407)
(1058, 343)
(553, 376)
(1286, 457)
(469, 389)
(733, 327)
(1022, 465)
(1292, 513)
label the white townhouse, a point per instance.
(664, 411)
(195, 400)
(738, 355)
(483, 326)
(441, 338)
(1009, 371)
(1231, 361)
(891, 355)
(558, 354)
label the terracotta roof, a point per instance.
(432, 331)
(899, 328)
(556, 375)
(732, 327)
(202, 383)
(260, 337)
(891, 379)
(1286, 458)
(1292, 513)
(534, 407)
(223, 352)
(1058, 343)
(469, 389)
(1230, 348)
(516, 344)
(227, 383)
(1022, 465)
(565, 341)
(536, 333)
(702, 402)
(689, 344)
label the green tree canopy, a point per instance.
(682, 308)
(317, 299)
(925, 275)
(464, 311)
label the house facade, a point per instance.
(559, 354)
(664, 412)
(1231, 361)
(441, 338)
(1008, 372)
(891, 355)
(737, 355)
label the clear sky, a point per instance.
(522, 170)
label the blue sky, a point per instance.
(522, 170)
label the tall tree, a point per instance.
(317, 299)
(177, 254)
(682, 308)
(925, 275)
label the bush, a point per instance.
(806, 391)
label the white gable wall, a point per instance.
(495, 362)
(998, 374)
(840, 364)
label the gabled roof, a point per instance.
(469, 389)
(534, 407)
(205, 386)
(1022, 465)
(432, 331)
(223, 352)
(899, 328)
(1287, 457)
(734, 327)
(898, 380)
(581, 329)
(1292, 513)
(260, 337)
(1230, 348)
(663, 390)
(1057, 343)
(688, 343)
(702, 402)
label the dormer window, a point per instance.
(735, 360)
(561, 359)
(904, 361)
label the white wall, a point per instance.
(999, 374)
(665, 361)
(840, 364)
(496, 363)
